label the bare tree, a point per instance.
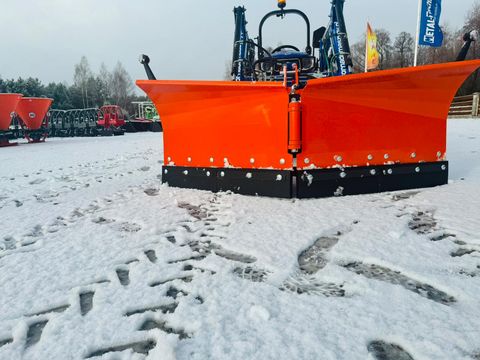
(358, 55)
(227, 75)
(81, 78)
(472, 22)
(384, 48)
(121, 86)
(404, 49)
(104, 79)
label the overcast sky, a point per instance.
(186, 39)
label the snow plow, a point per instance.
(294, 123)
(8, 104)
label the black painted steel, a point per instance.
(273, 183)
(372, 179)
(316, 183)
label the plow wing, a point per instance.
(361, 133)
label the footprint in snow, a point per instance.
(151, 256)
(404, 195)
(462, 252)
(37, 181)
(422, 222)
(142, 347)
(311, 286)
(129, 227)
(377, 272)
(123, 276)
(34, 332)
(195, 211)
(86, 302)
(314, 258)
(151, 192)
(8, 243)
(164, 309)
(151, 324)
(4, 342)
(101, 220)
(382, 350)
(251, 273)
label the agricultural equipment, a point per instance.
(111, 119)
(8, 104)
(33, 118)
(297, 123)
(146, 118)
(75, 122)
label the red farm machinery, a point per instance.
(26, 113)
(8, 104)
(111, 120)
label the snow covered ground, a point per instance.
(98, 260)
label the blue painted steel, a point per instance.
(334, 57)
(338, 33)
(241, 47)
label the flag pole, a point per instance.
(366, 50)
(417, 38)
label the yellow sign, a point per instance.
(372, 57)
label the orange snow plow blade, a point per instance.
(383, 117)
(355, 134)
(222, 124)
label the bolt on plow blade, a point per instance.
(362, 133)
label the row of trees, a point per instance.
(399, 52)
(91, 89)
(88, 89)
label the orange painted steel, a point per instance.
(383, 117)
(8, 104)
(222, 123)
(32, 111)
(294, 127)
